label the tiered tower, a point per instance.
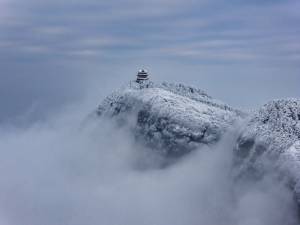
(142, 76)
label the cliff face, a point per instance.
(174, 119)
(270, 140)
(171, 118)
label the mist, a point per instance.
(71, 170)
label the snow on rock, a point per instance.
(270, 142)
(173, 118)
(176, 119)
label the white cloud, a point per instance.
(56, 172)
(143, 27)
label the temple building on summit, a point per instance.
(142, 76)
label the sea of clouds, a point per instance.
(69, 170)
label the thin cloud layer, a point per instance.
(135, 27)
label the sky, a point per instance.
(57, 52)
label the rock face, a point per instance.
(271, 141)
(175, 119)
(172, 118)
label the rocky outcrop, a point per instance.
(174, 119)
(270, 142)
(171, 118)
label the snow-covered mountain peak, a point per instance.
(270, 141)
(174, 118)
(276, 124)
(281, 116)
(182, 90)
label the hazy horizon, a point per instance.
(53, 53)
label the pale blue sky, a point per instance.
(242, 52)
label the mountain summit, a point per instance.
(173, 118)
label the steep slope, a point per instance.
(270, 141)
(175, 119)
(172, 118)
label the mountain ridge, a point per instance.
(174, 118)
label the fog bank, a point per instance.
(60, 172)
